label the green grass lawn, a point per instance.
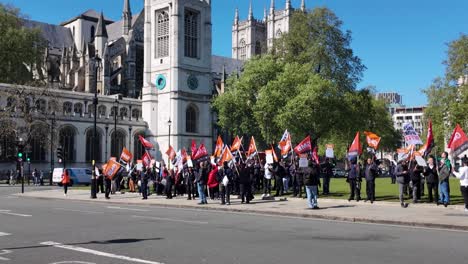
(385, 191)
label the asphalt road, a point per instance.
(49, 231)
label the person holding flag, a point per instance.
(462, 175)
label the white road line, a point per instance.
(97, 253)
(4, 252)
(170, 219)
(79, 211)
(8, 212)
(127, 209)
(4, 234)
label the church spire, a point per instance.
(288, 4)
(127, 17)
(303, 6)
(236, 16)
(101, 27)
(265, 16)
(250, 18)
(272, 7)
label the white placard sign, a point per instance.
(269, 158)
(189, 163)
(303, 163)
(139, 167)
(421, 161)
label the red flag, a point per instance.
(458, 141)
(252, 148)
(184, 155)
(429, 139)
(201, 153)
(126, 155)
(171, 153)
(212, 181)
(315, 156)
(194, 148)
(304, 146)
(226, 156)
(356, 148)
(146, 144)
(146, 158)
(236, 144)
(219, 147)
(285, 145)
(372, 140)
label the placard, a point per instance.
(303, 162)
(189, 163)
(269, 157)
(421, 161)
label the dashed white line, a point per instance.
(4, 252)
(97, 253)
(4, 234)
(8, 212)
(79, 211)
(170, 219)
(127, 209)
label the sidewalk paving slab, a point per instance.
(391, 213)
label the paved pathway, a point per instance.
(421, 215)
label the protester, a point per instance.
(462, 175)
(432, 179)
(298, 181)
(107, 183)
(415, 174)
(169, 183)
(202, 179)
(144, 183)
(65, 181)
(370, 174)
(312, 182)
(267, 180)
(213, 182)
(244, 180)
(354, 179)
(257, 183)
(403, 179)
(190, 183)
(278, 173)
(327, 169)
(445, 169)
(225, 177)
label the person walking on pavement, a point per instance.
(202, 179)
(403, 179)
(327, 169)
(312, 182)
(65, 181)
(462, 175)
(353, 180)
(370, 174)
(432, 179)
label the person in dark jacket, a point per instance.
(144, 183)
(432, 179)
(354, 179)
(403, 179)
(169, 183)
(279, 173)
(244, 181)
(415, 174)
(445, 169)
(312, 182)
(225, 178)
(327, 169)
(202, 179)
(370, 174)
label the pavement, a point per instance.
(390, 213)
(125, 229)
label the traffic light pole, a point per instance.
(22, 176)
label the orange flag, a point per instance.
(171, 153)
(252, 148)
(236, 144)
(356, 148)
(226, 156)
(285, 145)
(274, 154)
(219, 147)
(372, 140)
(112, 167)
(126, 155)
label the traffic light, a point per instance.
(20, 151)
(60, 153)
(28, 159)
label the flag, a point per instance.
(126, 155)
(171, 153)
(194, 148)
(219, 147)
(184, 155)
(329, 152)
(429, 140)
(372, 139)
(236, 144)
(226, 156)
(304, 146)
(284, 137)
(411, 136)
(355, 149)
(315, 156)
(273, 152)
(146, 144)
(111, 169)
(146, 158)
(285, 145)
(201, 154)
(212, 180)
(252, 148)
(458, 141)
(405, 153)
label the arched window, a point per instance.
(102, 111)
(78, 109)
(114, 110)
(138, 149)
(117, 143)
(67, 108)
(123, 112)
(191, 119)
(39, 135)
(258, 48)
(67, 141)
(92, 146)
(93, 30)
(91, 110)
(41, 106)
(242, 50)
(11, 104)
(162, 34)
(52, 106)
(191, 34)
(136, 114)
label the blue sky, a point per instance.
(402, 42)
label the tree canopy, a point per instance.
(306, 84)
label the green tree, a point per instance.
(21, 49)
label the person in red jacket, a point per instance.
(213, 182)
(65, 181)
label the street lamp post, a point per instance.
(52, 161)
(114, 135)
(169, 123)
(97, 65)
(20, 146)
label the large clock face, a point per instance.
(160, 81)
(192, 82)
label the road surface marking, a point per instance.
(170, 219)
(8, 212)
(4, 234)
(79, 211)
(97, 253)
(4, 252)
(127, 209)
(72, 262)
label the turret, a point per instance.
(272, 7)
(250, 17)
(303, 6)
(236, 17)
(127, 17)
(101, 36)
(288, 5)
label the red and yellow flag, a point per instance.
(372, 139)
(219, 147)
(285, 145)
(171, 153)
(126, 155)
(252, 148)
(226, 156)
(236, 144)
